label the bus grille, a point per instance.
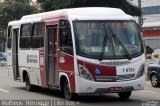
(115, 63)
(115, 78)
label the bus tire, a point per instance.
(124, 95)
(66, 90)
(29, 86)
(154, 80)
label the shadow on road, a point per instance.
(107, 98)
(44, 92)
(90, 98)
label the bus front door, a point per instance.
(51, 63)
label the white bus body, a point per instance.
(85, 50)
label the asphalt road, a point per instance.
(11, 90)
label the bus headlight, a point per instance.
(141, 71)
(84, 73)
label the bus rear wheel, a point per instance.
(124, 95)
(29, 86)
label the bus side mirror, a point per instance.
(149, 50)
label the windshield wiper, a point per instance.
(103, 47)
(119, 42)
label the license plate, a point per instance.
(114, 89)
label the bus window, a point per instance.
(38, 35)
(25, 37)
(9, 37)
(66, 37)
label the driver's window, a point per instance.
(66, 37)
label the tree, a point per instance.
(10, 11)
(24, 1)
(48, 5)
(13, 11)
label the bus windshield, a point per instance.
(94, 38)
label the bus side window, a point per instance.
(25, 36)
(37, 39)
(9, 38)
(66, 37)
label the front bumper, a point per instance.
(86, 86)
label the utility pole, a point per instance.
(140, 17)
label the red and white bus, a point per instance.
(80, 50)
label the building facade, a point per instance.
(151, 22)
(151, 27)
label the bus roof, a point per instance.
(87, 13)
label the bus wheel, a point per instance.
(125, 95)
(29, 86)
(67, 94)
(154, 80)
